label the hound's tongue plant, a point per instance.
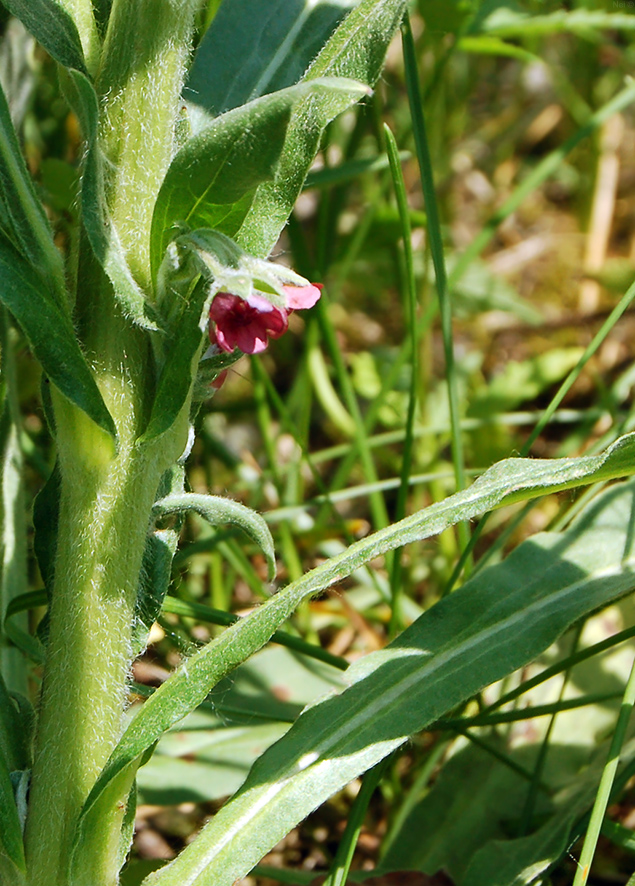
(179, 210)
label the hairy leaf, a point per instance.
(272, 48)
(212, 180)
(101, 232)
(21, 213)
(356, 50)
(10, 830)
(156, 569)
(53, 27)
(218, 511)
(179, 370)
(50, 335)
(507, 482)
(496, 623)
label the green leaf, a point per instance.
(10, 829)
(209, 755)
(463, 824)
(50, 335)
(102, 13)
(53, 27)
(201, 774)
(102, 234)
(517, 862)
(156, 569)
(485, 45)
(272, 48)
(21, 639)
(356, 50)
(22, 215)
(179, 370)
(13, 556)
(463, 810)
(508, 22)
(497, 622)
(156, 575)
(218, 511)
(507, 482)
(11, 752)
(212, 180)
(46, 509)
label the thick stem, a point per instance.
(105, 505)
(144, 58)
(106, 494)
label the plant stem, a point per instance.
(105, 504)
(143, 63)
(107, 491)
(606, 783)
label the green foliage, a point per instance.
(520, 382)
(209, 754)
(271, 49)
(355, 51)
(50, 334)
(212, 181)
(217, 511)
(173, 198)
(22, 217)
(101, 232)
(10, 828)
(53, 27)
(519, 607)
(509, 481)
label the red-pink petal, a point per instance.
(223, 305)
(226, 342)
(302, 297)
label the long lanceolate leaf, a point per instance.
(494, 624)
(508, 481)
(356, 50)
(212, 180)
(50, 334)
(21, 213)
(272, 48)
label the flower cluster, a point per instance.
(249, 323)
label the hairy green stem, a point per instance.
(107, 489)
(105, 504)
(145, 52)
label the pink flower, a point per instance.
(249, 323)
(299, 297)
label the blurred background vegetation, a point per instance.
(339, 428)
